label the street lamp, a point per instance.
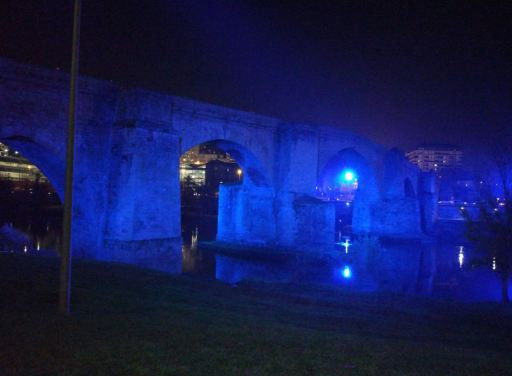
(65, 263)
(239, 173)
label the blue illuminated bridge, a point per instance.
(129, 143)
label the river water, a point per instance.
(454, 270)
(445, 268)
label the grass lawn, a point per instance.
(130, 321)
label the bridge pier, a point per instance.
(246, 214)
(256, 216)
(144, 224)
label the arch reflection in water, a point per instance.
(232, 270)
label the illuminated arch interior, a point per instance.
(345, 178)
(30, 203)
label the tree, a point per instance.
(491, 230)
(491, 233)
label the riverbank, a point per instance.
(133, 321)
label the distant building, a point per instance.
(206, 165)
(15, 168)
(192, 174)
(204, 153)
(436, 157)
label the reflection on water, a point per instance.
(42, 228)
(195, 261)
(31, 236)
(345, 244)
(193, 242)
(233, 270)
(346, 272)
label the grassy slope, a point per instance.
(132, 321)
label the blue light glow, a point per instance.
(348, 176)
(346, 272)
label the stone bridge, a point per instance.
(128, 146)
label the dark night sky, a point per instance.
(402, 74)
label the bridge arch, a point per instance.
(359, 169)
(348, 179)
(252, 167)
(250, 145)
